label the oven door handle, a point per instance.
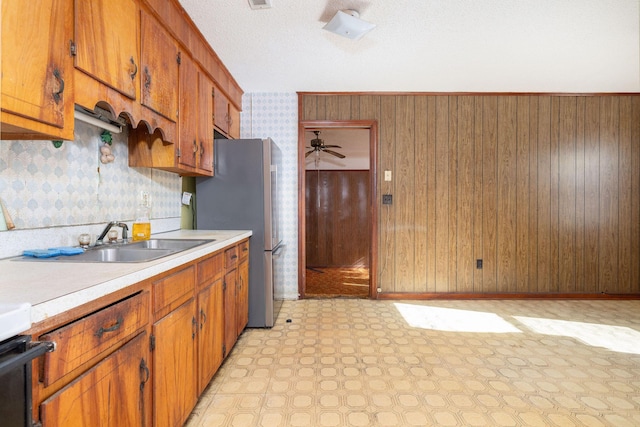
(36, 349)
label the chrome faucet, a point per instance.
(125, 230)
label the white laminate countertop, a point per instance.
(55, 287)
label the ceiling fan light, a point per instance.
(347, 23)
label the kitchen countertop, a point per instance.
(53, 288)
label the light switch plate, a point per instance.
(387, 175)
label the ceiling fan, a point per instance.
(318, 145)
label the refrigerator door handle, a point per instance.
(278, 251)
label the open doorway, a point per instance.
(337, 210)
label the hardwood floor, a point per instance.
(337, 282)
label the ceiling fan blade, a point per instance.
(332, 146)
(342, 156)
(308, 152)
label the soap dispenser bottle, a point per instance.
(142, 224)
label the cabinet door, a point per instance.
(234, 122)
(159, 68)
(174, 366)
(221, 111)
(243, 295)
(211, 334)
(115, 392)
(230, 309)
(205, 123)
(107, 42)
(37, 69)
(188, 112)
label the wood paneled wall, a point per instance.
(337, 218)
(545, 190)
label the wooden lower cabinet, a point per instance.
(143, 360)
(115, 392)
(174, 366)
(242, 302)
(211, 332)
(230, 310)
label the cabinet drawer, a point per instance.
(231, 258)
(210, 269)
(172, 291)
(243, 250)
(84, 339)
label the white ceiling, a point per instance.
(428, 45)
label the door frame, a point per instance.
(372, 126)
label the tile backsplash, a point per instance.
(44, 187)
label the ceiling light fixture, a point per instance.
(347, 23)
(260, 4)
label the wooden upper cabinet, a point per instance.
(106, 43)
(159, 68)
(221, 111)
(227, 116)
(188, 113)
(234, 122)
(205, 123)
(37, 70)
(196, 118)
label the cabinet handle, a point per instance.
(147, 78)
(144, 369)
(57, 96)
(201, 149)
(194, 324)
(203, 315)
(113, 328)
(135, 70)
(195, 146)
(234, 256)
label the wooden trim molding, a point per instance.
(467, 93)
(502, 296)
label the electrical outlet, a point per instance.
(145, 198)
(387, 199)
(479, 264)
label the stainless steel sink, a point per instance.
(173, 244)
(118, 254)
(141, 251)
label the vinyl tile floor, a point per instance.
(359, 362)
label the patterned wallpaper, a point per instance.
(275, 115)
(44, 187)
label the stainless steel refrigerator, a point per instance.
(243, 195)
